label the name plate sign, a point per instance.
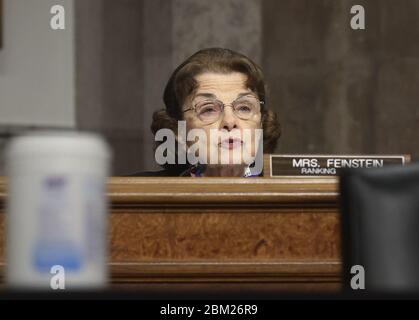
(328, 165)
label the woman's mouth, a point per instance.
(230, 143)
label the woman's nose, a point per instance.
(229, 119)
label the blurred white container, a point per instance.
(57, 211)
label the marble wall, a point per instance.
(339, 90)
(235, 24)
(110, 76)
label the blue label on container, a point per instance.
(56, 243)
(64, 254)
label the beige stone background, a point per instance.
(336, 90)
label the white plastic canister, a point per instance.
(56, 222)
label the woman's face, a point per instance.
(227, 88)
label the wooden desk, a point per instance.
(221, 234)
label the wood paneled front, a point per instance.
(221, 234)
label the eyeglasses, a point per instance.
(210, 110)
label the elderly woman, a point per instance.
(215, 90)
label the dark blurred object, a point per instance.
(1, 24)
(380, 228)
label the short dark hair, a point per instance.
(182, 84)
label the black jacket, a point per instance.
(175, 171)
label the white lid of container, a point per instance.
(55, 143)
